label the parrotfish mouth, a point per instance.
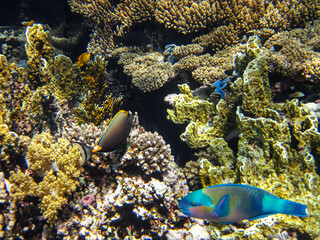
(185, 211)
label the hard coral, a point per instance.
(141, 200)
(277, 151)
(228, 20)
(206, 120)
(149, 72)
(40, 54)
(295, 54)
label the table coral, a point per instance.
(206, 68)
(206, 120)
(295, 54)
(149, 72)
(227, 20)
(45, 155)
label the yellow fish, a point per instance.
(28, 24)
(90, 78)
(83, 59)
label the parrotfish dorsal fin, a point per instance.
(223, 207)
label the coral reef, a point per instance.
(206, 120)
(255, 86)
(228, 20)
(7, 215)
(40, 55)
(191, 171)
(8, 143)
(148, 152)
(12, 44)
(149, 72)
(207, 69)
(44, 156)
(295, 54)
(139, 195)
(97, 104)
(276, 151)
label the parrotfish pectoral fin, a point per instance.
(223, 207)
(294, 208)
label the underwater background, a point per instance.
(220, 92)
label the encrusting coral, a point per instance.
(206, 120)
(44, 156)
(276, 151)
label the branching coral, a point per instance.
(149, 72)
(228, 20)
(295, 54)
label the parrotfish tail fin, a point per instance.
(223, 207)
(294, 208)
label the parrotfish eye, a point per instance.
(193, 203)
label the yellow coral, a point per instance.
(8, 142)
(149, 72)
(40, 54)
(206, 120)
(43, 152)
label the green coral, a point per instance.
(43, 153)
(277, 151)
(206, 120)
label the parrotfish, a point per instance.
(116, 133)
(230, 203)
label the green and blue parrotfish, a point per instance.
(231, 203)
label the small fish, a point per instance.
(85, 153)
(83, 59)
(116, 133)
(90, 78)
(296, 95)
(230, 203)
(28, 24)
